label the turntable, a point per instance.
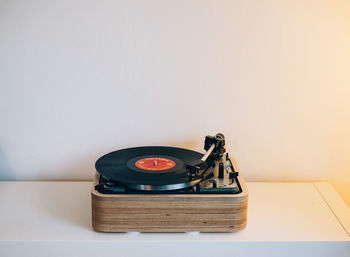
(169, 189)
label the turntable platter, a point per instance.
(151, 168)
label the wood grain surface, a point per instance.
(169, 212)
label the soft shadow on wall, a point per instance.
(6, 170)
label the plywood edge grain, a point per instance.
(169, 212)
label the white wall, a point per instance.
(82, 78)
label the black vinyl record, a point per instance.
(151, 168)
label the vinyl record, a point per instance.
(151, 168)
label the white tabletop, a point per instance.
(55, 217)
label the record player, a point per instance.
(169, 189)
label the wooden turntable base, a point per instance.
(169, 212)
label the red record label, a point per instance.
(155, 163)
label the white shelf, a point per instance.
(54, 219)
